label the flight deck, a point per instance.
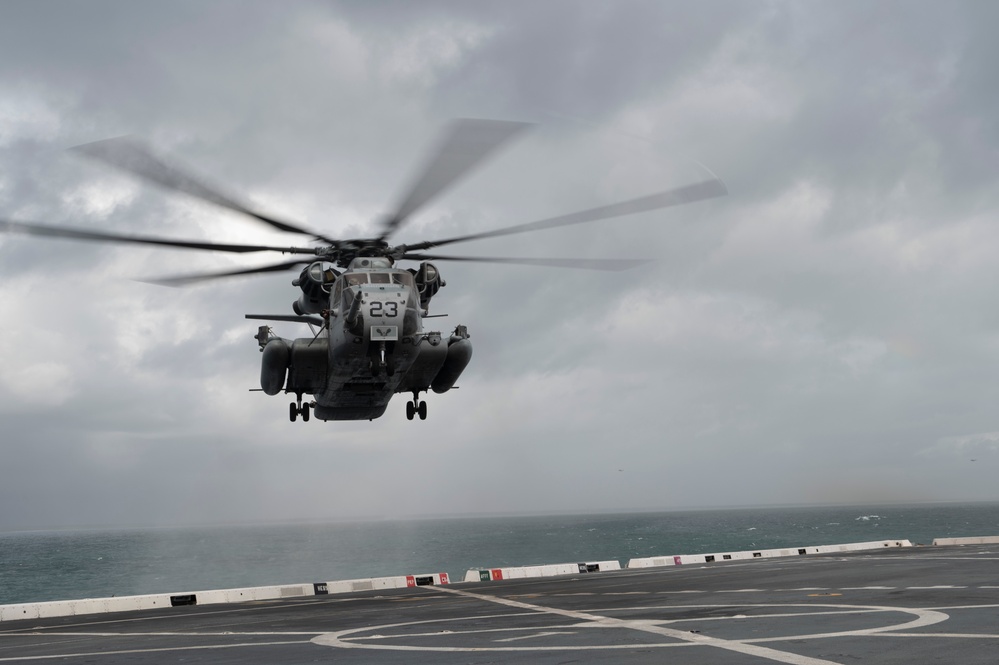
(898, 605)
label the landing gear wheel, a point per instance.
(293, 412)
(305, 413)
(410, 410)
(423, 410)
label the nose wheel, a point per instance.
(415, 406)
(296, 409)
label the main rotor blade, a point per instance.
(613, 265)
(7, 226)
(672, 197)
(129, 155)
(185, 280)
(466, 143)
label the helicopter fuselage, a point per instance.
(372, 345)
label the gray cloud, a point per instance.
(825, 333)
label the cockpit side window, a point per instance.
(337, 293)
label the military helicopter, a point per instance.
(366, 313)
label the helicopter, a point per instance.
(365, 311)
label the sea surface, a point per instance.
(59, 565)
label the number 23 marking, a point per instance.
(384, 309)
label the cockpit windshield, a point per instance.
(399, 277)
(403, 277)
(356, 278)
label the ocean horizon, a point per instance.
(59, 564)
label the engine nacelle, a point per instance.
(428, 282)
(459, 352)
(315, 282)
(274, 365)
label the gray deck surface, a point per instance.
(914, 605)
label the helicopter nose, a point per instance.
(385, 316)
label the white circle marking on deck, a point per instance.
(352, 638)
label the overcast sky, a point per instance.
(828, 332)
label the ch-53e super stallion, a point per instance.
(366, 313)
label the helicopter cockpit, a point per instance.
(400, 277)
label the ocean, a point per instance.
(60, 565)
